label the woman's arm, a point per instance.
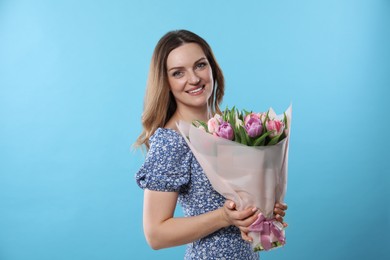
(163, 230)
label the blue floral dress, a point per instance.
(171, 166)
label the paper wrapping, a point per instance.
(249, 176)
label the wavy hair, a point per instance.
(159, 102)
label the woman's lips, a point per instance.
(196, 91)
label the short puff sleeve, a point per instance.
(167, 164)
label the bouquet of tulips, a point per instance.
(247, 128)
(245, 156)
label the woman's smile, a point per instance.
(196, 91)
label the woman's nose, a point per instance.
(193, 79)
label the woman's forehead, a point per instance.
(185, 55)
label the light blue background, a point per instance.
(72, 80)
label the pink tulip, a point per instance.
(214, 123)
(253, 126)
(226, 131)
(250, 116)
(276, 127)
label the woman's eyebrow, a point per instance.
(180, 67)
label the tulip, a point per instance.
(253, 126)
(239, 122)
(251, 116)
(276, 127)
(225, 130)
(262, 116)
(214, 123)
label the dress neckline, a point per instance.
(170, 130)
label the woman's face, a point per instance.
(190, 76)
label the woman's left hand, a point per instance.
(279, 212)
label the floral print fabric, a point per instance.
(171, 166)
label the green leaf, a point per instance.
(247, 112)
(243, 135)
(233, 122)
(260, 141)
(231, 116)
(233, 113)
(198, 123)
(247, 137)
(237, 137)
(274, 140)
(282, 136)
(266, 118)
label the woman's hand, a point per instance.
(279, 212)
(239, 218)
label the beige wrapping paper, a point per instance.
(249, 176)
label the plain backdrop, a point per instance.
(72, 80)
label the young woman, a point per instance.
(186, 83)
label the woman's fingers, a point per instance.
(245, 214)
(239, 214)
(279, 218)
(246, 222)
(280, 212)
(245, 236)
(230, 204)
(282, 206)
(239, 218)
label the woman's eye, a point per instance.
(201, 65)
(177, 74)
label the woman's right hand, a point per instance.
(240, 218)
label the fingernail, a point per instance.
(254, 209)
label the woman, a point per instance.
(186, 83)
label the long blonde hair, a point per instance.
(159, 103)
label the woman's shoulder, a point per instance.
(166, 137)
(167, 163)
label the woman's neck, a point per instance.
(188, 115)
(191, 115)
